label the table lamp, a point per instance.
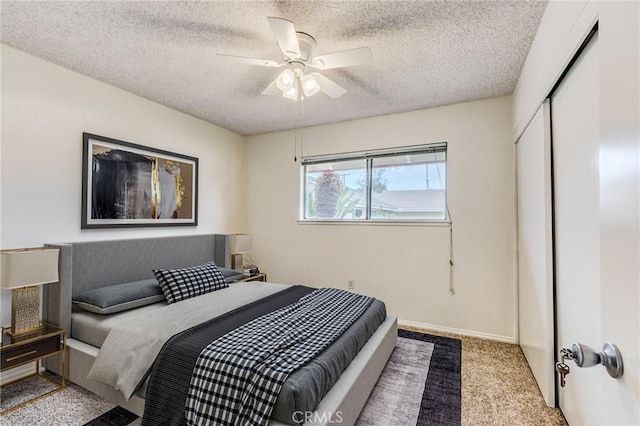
(23, 270)
(239, 246)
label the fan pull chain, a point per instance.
(296, 112)
(295, 131)
(302, 131)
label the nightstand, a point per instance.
(258, 277)
(34, 347)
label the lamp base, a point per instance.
(25, 311)
(22, 333)
(237, 261)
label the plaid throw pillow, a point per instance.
(183, 283)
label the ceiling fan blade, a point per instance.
(286, 36)
(248, 61)
(328, 86)
(272, 89)
(346, 58)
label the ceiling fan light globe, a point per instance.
(286, 80)
(292, 93)
(309, 85)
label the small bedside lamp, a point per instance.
(22, 271)
(239, 246)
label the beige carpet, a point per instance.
(498, 387)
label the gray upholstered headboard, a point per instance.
(94, 264)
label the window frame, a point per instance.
(369, 156)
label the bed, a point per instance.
(92, 265)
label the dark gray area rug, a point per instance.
(420, 384)
(400, 386)
(115, 417)
(442, 399)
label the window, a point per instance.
(400, 184)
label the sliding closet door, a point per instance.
(596, 146)
(576, 163)
(535, 257)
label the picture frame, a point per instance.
(130, 185)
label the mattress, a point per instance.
(93, 329)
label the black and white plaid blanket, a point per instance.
(238, 377)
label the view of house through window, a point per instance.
(403, 184)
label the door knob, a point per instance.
(585, 356)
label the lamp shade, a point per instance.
(291, 93)
(239, 243)
(309, 85)
(286, 80)
(28, 267)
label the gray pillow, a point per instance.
(120, 297)
(230, 275)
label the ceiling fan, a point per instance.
(299, 78)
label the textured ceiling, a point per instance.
(426, 53)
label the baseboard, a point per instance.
(17, 373)
(488, 336)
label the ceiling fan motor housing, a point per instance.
(307, 44)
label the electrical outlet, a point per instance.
(350, 284)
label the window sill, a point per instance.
(417, 222)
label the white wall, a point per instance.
(45, 109)
(406, 266)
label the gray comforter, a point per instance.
(172, 372)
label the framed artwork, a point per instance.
(129, 185)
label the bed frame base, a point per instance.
(81, 357)
(344, 401)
